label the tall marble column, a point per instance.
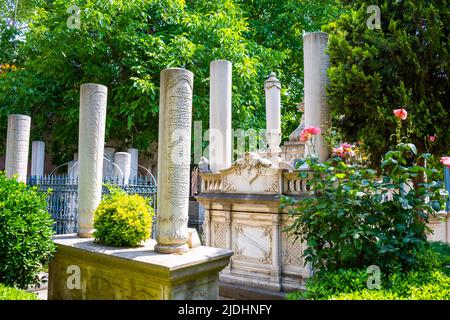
(37, 158)
(108, 167)
(174, 154)
(316, 63)
(90, 152)
(123, 162)
(220, 132)
(17, 145)
(272, 88)
(134, 162)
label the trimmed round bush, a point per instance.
(122, 220)
(25, 233)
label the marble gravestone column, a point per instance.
(90, 152)
(17, 145)
(272, 88)
(73, 167)
(316, 63)
(108, 166)
(123, 162)
(174, 154)
(37, 158)
(134, 162)
(220, 134)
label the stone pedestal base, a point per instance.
(82, 270)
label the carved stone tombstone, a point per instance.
(90, 152)
(174, 147)
(17, 145)
(37, 158)
(122, 167)
(316, 63)
(220, 131)
(134, 163)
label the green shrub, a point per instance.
(347, 284)
(405, 63)
(443, 252)
(25, 233)
(360, 217)
(122, 220)
(7, 293)
(429, 281)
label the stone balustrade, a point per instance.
(291, 182)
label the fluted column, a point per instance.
(272, 88)
(37, 158)
(220, 134)
(123, 162)
(174, 154)
(90, 152)
(316, 64)
(17, 145)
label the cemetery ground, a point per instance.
(213, 150)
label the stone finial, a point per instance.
(272, 81)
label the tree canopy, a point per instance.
(125, 44)
(404, 64)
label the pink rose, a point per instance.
(432, 138)
(445, 161)
(400, 114)
(312, 130)
(346, 145)
(305, 136)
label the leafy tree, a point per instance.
(124, 45)
(403, 64)
(280, 25)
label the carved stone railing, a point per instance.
(293, 184)
(211, 182)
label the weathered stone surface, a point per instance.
(251, 173)
(17, 145)
(108, 166)
(134, 162)
(174, 150)
(251, 225)
(134, 273)
(122, 168)
(316, 64)
(193, 238)
(37, 158)
(440, 226)
(220, 131)
(90, 152)
(272, 87)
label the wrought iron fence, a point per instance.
(62, 202)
